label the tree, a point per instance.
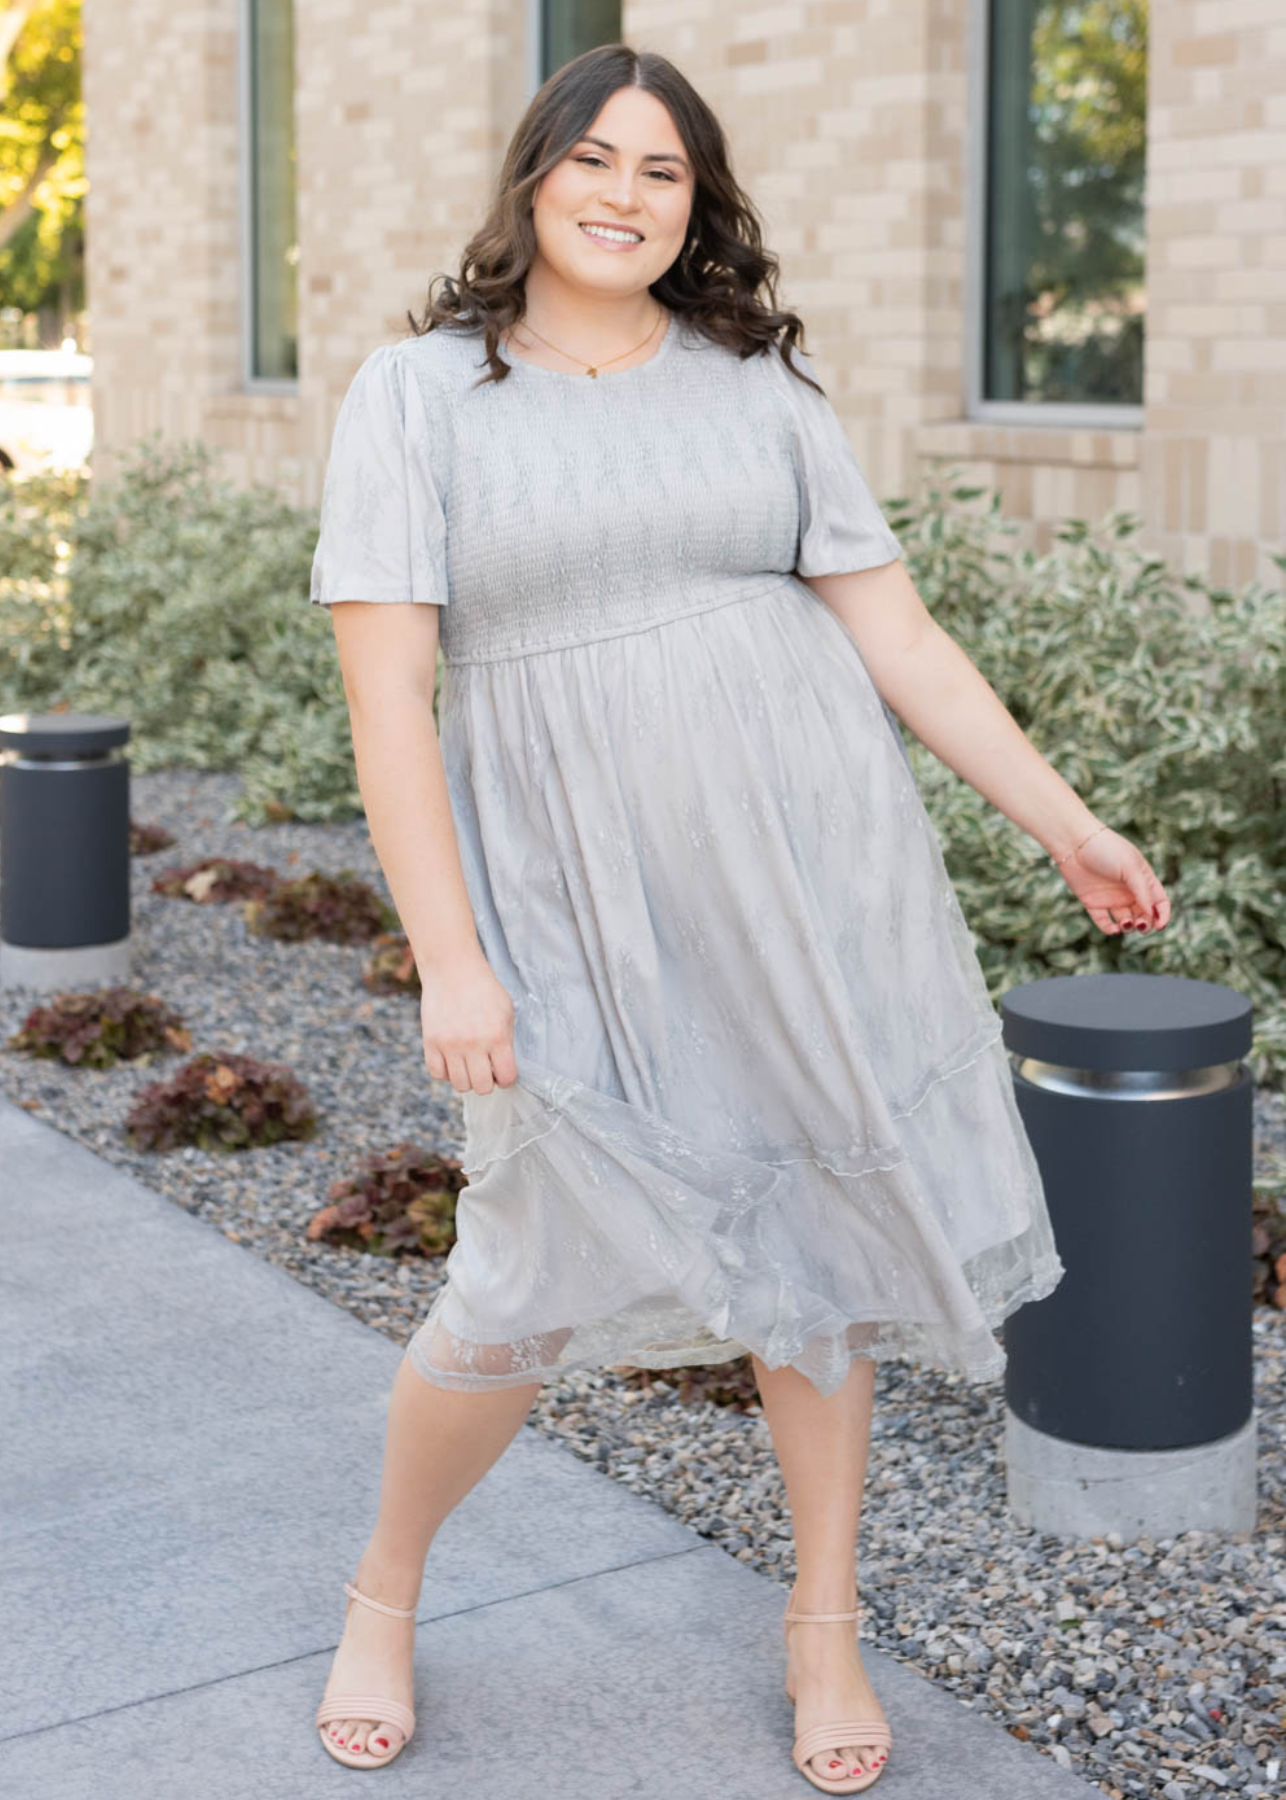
(42, 156)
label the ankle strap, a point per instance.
(822, 1618)
(396, 1612)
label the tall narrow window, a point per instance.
(1063, 286)
(273, 248)
(568, 27)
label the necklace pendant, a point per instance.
(591, 371)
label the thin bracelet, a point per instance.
(1060, 860)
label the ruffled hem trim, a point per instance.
(703, 1350)
(688, 1252)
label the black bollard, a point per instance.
(1129, 1388)
(64, 850)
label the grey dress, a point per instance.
(762, 1100)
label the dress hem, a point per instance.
(1039, 1284)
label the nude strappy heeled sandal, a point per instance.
(374, 1707)
(875, 1732)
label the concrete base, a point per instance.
(1083, 1491)
(51, 971)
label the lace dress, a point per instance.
(762, 1101)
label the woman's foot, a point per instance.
(825, 1675)
(374, 1656)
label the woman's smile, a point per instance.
(611, 237)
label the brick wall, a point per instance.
(848, 121)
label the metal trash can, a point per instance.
(1129, 1389)
(64, 850)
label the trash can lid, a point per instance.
(1126, 1021)
(56, 734)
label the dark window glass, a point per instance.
(568, 27)
(1063, 316)
(274, 245)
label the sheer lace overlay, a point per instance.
(762, 1102)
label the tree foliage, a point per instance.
(42, 155)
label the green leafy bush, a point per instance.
(341, 908)
(391, 968)
(221, 1102)
(97, 1029)
(1162, 700)
(146, 840)
(180, 601)
(402, 1199)
(216, 879)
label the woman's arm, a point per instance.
(388, 658)
(934, 687)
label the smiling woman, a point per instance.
(731, 1079)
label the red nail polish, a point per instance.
(382, 1742)
(834, 1762)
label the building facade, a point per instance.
(1042, 241)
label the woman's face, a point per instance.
(629, 173)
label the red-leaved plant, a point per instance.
(391, 968)
(94, 1030)
(341, 908)
(215, 879)
(146, 840)
(222, 1101)
(398, 1200)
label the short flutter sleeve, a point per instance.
(382, 532)
(841, 526)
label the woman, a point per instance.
(731, 1077)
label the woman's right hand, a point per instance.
(466, 1016)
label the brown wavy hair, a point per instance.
(723, 282)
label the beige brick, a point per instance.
(1189, 52)
(848, 120)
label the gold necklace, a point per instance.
(592, 368)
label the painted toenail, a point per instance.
(835, 1762)
(382, 1742)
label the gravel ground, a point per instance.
(1154, 1668)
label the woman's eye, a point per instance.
(665, 176)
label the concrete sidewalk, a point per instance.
(191, 1462)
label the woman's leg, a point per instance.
(439, 1444)
(822, 1447)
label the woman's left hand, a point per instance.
(1116, 884)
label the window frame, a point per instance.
(252, 382)
(1076, 416)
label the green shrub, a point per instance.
(216, 879)
(181, 603)
(1162, 700)
(340, 908)
(97, 1029)
(402, 1199)
(221, 1102)
(391, 968)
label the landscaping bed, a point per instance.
(1148, 1669)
